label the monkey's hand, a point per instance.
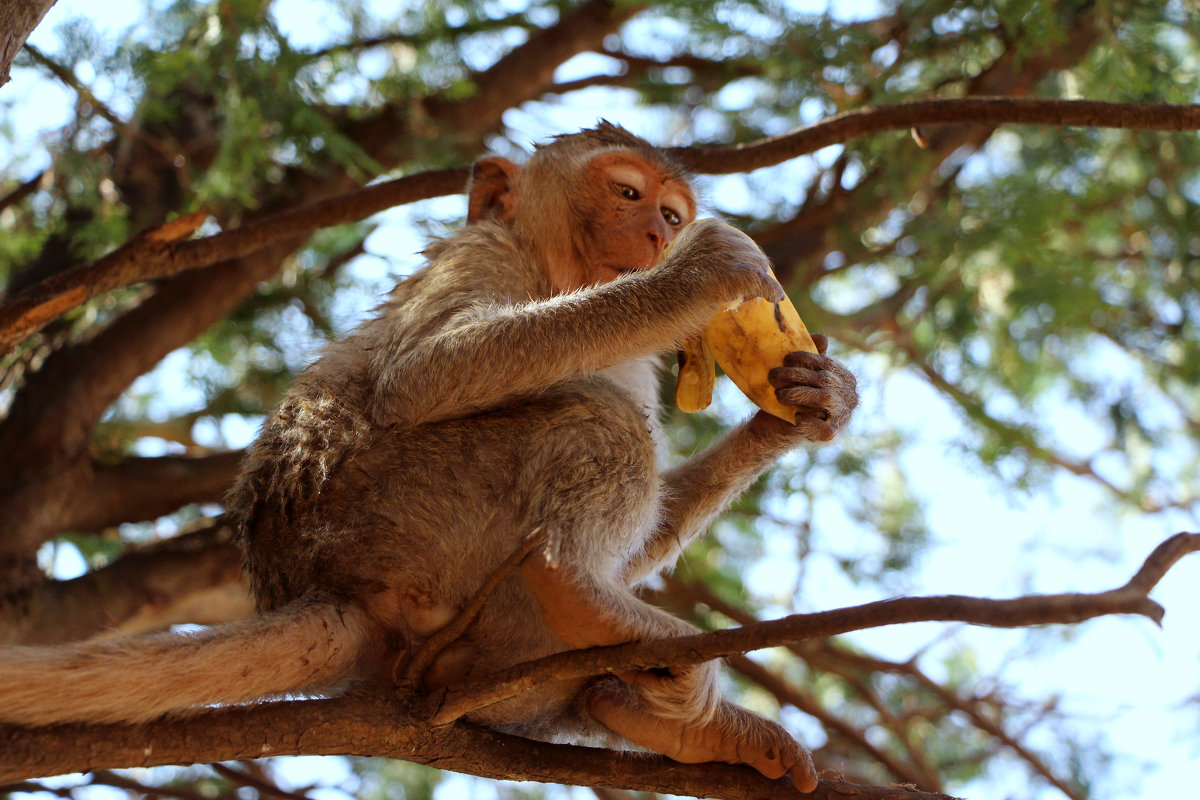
(721, 263)
(823, 392)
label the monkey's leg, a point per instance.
(585, 611)
(733, 735)
(679, 713)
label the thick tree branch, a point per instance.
(137, 489)
(152, 256)
(1012, 613)
(189, 578)
(369, 726)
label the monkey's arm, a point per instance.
(702, 487)
(825, 394)
(504, 352)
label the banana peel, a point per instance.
(747, 338)
(697, 374)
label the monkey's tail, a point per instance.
(306, 647)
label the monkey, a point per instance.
(508, 385)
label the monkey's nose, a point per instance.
(659, 237)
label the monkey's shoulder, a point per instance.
(483, 258)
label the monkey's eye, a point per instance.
(628, 192)
(670, 216)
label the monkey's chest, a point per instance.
(582, 458)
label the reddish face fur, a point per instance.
(591, 207)
(629, 209)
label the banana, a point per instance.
(747, 338)
(697, 373)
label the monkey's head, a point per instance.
(591, 205)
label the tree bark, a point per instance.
(18, 18)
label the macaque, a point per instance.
(510, 384)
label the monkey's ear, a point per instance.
(492, 189)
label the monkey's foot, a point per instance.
(734, 736)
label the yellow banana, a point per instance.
(747, 338)
(697, 373)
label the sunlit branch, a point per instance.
(1011, 613)
(142, 589)
(150, 257)
(371, 726)
(990, 111)
(263, 787)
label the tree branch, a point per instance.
(856, 124)
(144, 488)
(146, 259)
(142, 589)
(18, 18)
(68, 78)
(525, 71)
(374, 726)
(1013, 613)
(152, 256)
(361, 725)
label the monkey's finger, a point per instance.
(819, 400)
(697, 373)
(783, 377)
(807, 360)
(821, 341)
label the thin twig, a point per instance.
(1012, 613)
(256, 783)
(68, 77)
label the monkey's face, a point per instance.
(629, 210)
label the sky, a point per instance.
(1122, 677)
